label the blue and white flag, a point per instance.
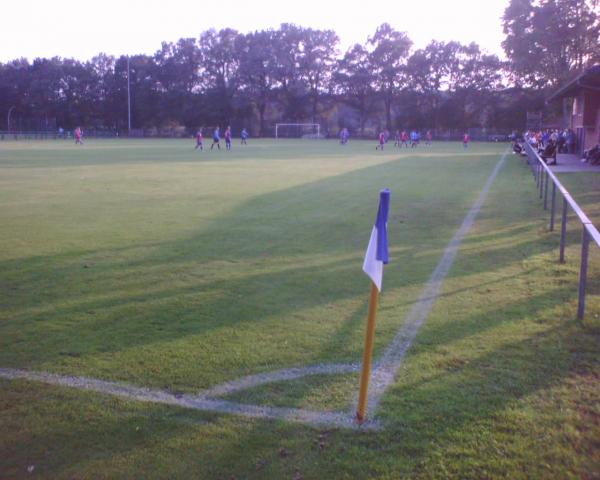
(377, 251)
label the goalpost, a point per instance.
(297, 130)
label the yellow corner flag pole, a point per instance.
(375, 258)
(368, 354)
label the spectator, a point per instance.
(592, 156)
(561, 142)
(570, 141)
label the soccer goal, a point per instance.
(297, 130)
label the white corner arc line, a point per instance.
(383, 374)
(194, 402)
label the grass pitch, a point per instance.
(151, 263)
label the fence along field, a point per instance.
(150, 264)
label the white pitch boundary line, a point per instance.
(383, 374)
(195, 402)
(387, 366)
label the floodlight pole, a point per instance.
(128, 100)
(8, 118)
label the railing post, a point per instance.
(553, 206)
(536, 169)
(541, 181)
(546, 191)
(563, 231)
(585, 246)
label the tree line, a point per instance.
(297, 74)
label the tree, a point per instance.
(288, 53)
(257, 70)
(548, 39)
(354, 80)
(145, 95)
(319, 48)
(429, 71)
(177, 67)
(388, 58)
(220, 72)
(473, 75)
(14, 85)
(294, 73)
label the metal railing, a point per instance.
(543, 175)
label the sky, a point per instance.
(44, 28)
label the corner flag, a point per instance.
(376, 256)
(377, 251)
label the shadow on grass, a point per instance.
(234, 257)
(468, 392)
(425, 414)
(244, 268)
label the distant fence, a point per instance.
(54, 135)
(476, 134)
(543, 175)
(31, 135)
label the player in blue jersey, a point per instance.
(414, 139)
(216, 139)
(244, 135)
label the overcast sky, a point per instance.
(44, 28)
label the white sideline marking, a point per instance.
(387, 366)
(382, 377)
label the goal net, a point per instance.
(297, 130)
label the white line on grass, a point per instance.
(195, 402)
(383, 375)
(285, 374)
(387, 366)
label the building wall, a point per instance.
(585, 120)
(591, 119)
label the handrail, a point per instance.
(589, 229)
(593, 231)
(567, 196)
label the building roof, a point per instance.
(589, 79)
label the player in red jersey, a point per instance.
(466, 139)
(428, 137)
(199, 140)
(78, 136)
(404, 138)
(381, 141)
